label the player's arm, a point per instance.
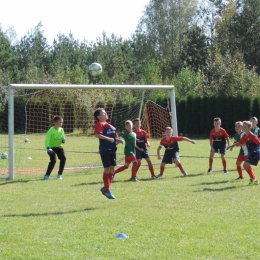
(146, 140)
(48, 139)
(233, 145)
(189, 140)
(228, 142)
(158, 151)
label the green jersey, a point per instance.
(53, 137)
(256, 131)
(130, 142)
(243, 149)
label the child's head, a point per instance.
(129, 125)
(168, 131)
(100, 114)
(217, 122)
(254, 121)
(247, 125)
(137, 123)
(57, 121)
(238, 126)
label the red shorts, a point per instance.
(242, 158)
(130, 158)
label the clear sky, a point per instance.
(84, 18)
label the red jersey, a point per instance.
(108, 130)
(170, 144)
(252, 142)
(141, 138)
(218, 137)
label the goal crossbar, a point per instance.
(11, 88)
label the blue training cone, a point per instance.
(121, 235)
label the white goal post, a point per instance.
(12, 87)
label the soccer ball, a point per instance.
(26, 140)
(95, 69)
(4, 156)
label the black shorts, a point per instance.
(219, 148)
(108, 158)
(253, 158)
(139, 155)
(169, 157)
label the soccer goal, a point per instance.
(27, 111)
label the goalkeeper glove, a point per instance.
(63, 140)
(49, 151)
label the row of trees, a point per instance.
(211, 48)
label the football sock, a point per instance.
(106, 181)
(224, 163)
(239, 170)
(150, 166)
(134, 169)
(161, 170)
(180, 166)
(120, 169)
(110, 177)
(251, 173)
(210, 163)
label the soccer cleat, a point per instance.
(239, 178)
(46, 177)
(184, 173)
(134, 179)
(159, 176)
(154, 177)
(253, 182)
(108, 194)
(210, 170)
(225, 171)
(59, 176)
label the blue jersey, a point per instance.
(108, 130)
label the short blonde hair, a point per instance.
(248, 123)
(128, 122)
(168, 128)
(254, 118)
(239, 123)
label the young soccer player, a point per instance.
(53, 143)
(171, 150)
(129, 151)
(252, 142)
(108, 139)
(217, 139)
(255, 130)
(142, 143)
(243, 152)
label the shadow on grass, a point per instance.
(6, 182)
(87, 183)
(190, 175)
(45, 214)
(219, 189)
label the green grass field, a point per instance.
(202, 216)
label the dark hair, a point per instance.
(136, 120)
(217, 119)
(97, 112)
(56, 118)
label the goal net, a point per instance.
(27, 112)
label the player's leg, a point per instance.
(211, 156)
(150, 167)
(106, 161)
(50, 165)
(62, 157)
(178, 163)
(251, 160)
(122, 168)
(223, 158)
(132, 159)
(239, 161)
(162, 168)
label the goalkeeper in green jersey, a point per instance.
(53, 143)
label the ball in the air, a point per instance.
(26, 140)
(4, 156)
(95, 69)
